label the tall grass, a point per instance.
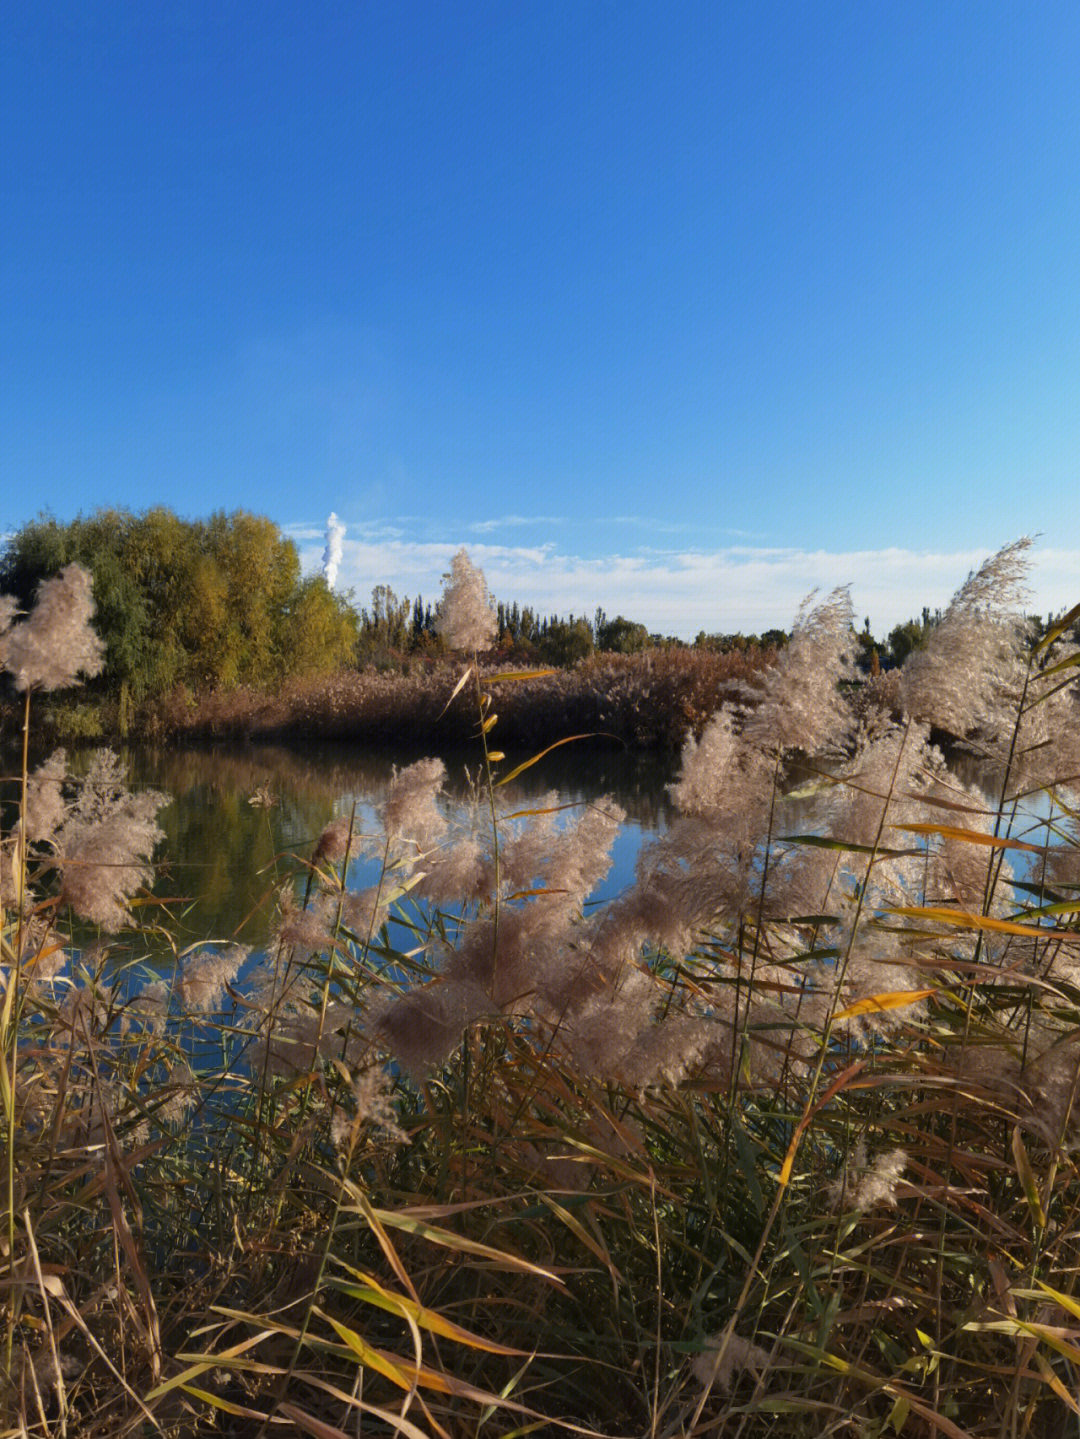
(782, 1141)
(652, 700)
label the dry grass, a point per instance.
(650, 700)
(783, 1142)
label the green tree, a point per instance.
(564, 642)
(206, 603)
(620, 636)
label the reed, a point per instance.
(781, 1142)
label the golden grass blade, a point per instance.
(319, 1427)
(1043, 1366)
(202, 1363)
(824, 841)
(970, 836)
(54, 1287)
(512, 676)
(1066, 1301)
(462, 682)
(875, 1003)
(963, 920)
(376, 1225)
(434, 1234)
(1056, 630)
(404, 1374)
(398, 1423)
(225, 1405)
(841, 1080)
(1052, 1334)
(595, 1246)
(407, 1375)
(372, 1292)
(536, 758)
(1027, 1178)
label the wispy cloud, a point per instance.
(681, 590)
(507, 522)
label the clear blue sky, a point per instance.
(682, 306)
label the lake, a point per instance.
(243, 819)
(239, 815)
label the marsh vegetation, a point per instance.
(780, 1140)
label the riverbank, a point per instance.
(652, 700)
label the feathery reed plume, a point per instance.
(369, 1090)
(865, 1184)
(423, 1026)
(720, 1361)
(466, 615)
(799, 701)
(204, 977)
(55, 643)
(310, 929)
(410, 811)
(968, 674)
(336, 839)
(105, 842)
(44, 810)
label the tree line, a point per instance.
(216, 603)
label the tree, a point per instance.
(564, 642)
(620, 636)
(206, 603)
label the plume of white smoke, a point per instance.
(335, 535)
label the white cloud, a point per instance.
(682, 591)
(488, 527)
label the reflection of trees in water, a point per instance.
(319, 775)
(223, 855)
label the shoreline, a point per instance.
(647, 701)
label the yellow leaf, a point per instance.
(216, 1402)
(1066, 1301)
(527, 764)
(874, 1003)
(434, 1234)
(404, 1374)
(1055, 1383)
(509, 675)
(1027, 1178)
(983, 921)
(1058, 628)
(969, 836)
(372, 1292)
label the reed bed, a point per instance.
(652, 700)
(780, 1142)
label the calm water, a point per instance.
(223, 856)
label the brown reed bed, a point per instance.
(652, 700)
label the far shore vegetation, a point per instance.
(211, 632)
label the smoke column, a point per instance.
(331, 559)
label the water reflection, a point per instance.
(239, 814)
(241, 817)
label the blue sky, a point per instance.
(678, 308)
